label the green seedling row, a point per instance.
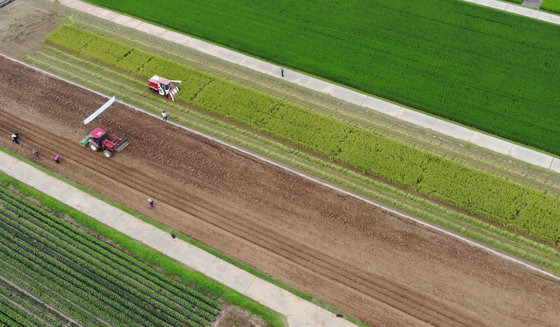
(480, 193)
(134, 290)
(56, 296)
(91, 272)
(17, 314)
(58, 244)
(30, 304)
(44, 295)
(103, 252)
(117, 310)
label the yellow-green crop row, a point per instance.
(525, 209)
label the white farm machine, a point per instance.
(99, 139)
(164, 87)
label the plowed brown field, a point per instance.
(382, 269)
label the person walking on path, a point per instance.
(151, 202)
(282, 71)
(36, 154)
(57, 159)
(15, 138)
(164, 115)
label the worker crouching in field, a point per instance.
(151, 202)
(57, 159)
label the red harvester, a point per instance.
(163, 86)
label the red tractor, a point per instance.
(163, 86)
(99, 140)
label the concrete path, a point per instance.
(532, 3)
(450, 129)
(519, 9)
(299, 312)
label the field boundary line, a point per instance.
(313, 179)
(438, 125)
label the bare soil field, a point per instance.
(371, 264)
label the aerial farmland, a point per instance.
(377, 220)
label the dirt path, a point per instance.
(369, 263)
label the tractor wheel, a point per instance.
(108, 153)
(94, 147)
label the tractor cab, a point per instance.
(99, 136)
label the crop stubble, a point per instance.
(367, 262)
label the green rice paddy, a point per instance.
(551, 5)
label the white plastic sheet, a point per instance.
(100, 110)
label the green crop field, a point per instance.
(54, 274)
(484, 68)
(525, 209)
(551, 5)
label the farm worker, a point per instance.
(282, 71)
(164, 115)
(57, 159)
(151, 202)
(15, 137)
(36, 154)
